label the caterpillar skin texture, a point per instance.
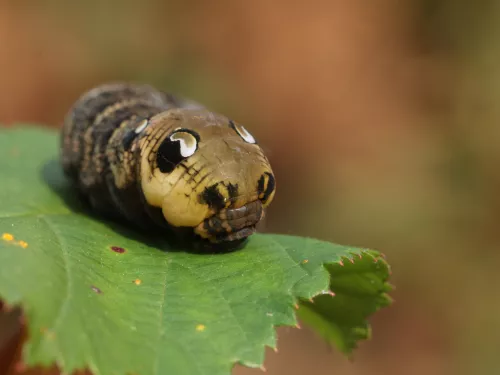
(157, 160)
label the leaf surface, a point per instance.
(102, 296)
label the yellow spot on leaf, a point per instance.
(305, 261)
(137, 281)
(200, 327)
(48, 333)
(9, 238)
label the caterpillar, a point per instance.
(158, 160)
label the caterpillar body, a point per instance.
(160, 161)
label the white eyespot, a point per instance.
(188, 143)
(247, 137)
(142, 125)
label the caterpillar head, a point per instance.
(205, 172)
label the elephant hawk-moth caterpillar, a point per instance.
(161, 161)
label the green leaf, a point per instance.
(153, 309)
(359, 290)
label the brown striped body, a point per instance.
(156, 160)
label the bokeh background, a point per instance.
(381, 120)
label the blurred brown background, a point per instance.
(381, 121)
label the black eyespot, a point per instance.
(168, 155)
(179, 145)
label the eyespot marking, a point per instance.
(142, 125)
(242, 132)
(181, 144)
(188, 143)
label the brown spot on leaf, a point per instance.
(96, 289)
(117, 249)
